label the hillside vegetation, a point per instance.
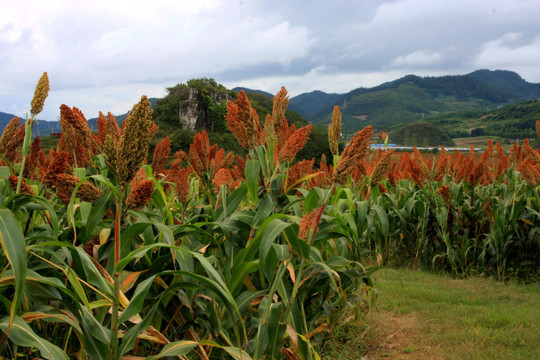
(514, 121)
(508, 81)
(421, 134)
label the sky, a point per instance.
(102, 55)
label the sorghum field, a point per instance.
(108, 253)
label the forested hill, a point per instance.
(514, 121)
(510, 82)
(253, 91)
(41, 128)
(413, 98)
(309, 104)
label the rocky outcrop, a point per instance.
(188, 113)
(193, 112)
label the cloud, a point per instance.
(419, 57)
(125, 48)
(90, 47)
(511, 51)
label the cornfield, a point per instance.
(211, 255)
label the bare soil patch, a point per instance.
(399, 336)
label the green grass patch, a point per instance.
(422, 315)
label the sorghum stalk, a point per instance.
(116, 279)
(300, 274)
(281, 270)
(40, 94)
(334, 131)
(130, 154)
(25, 148)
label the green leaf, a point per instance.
(263, 163)
(32, 276)
(338, 261)
(220, 289)
(176, 348)
(5, 172)
(329, 273)
(12, 241)
(165, 231)
(99, 208)
(93, 276)
(311, 201)
(54, 318)
(128, 341)
(243, 300)
(107, 183)
(94, 328)
(251, 172)
(300, 246)
(184, 259)
(210, 270)
(233, 201)
(85, 208)
(51, 213)
(136, 303)
(264, 210)
(96, 349)
(23, 335)
(273, 331)
(270, 233)
(282, 251)
(240, 272)
(79, 172)
(135, 254)
(133, 230)
(383, 219)
(236, 353)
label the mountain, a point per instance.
(411, 98)
(306, 104)
(253, 91)
(508, 81)
(5, 118)
(309, 104)
(41, 127)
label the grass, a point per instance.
(421, 315)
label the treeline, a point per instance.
(462, 87)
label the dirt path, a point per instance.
(397, 336)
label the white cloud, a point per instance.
(91, 47)
(418, 58)
(511, 52)
(100, 52)
(102, 43)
